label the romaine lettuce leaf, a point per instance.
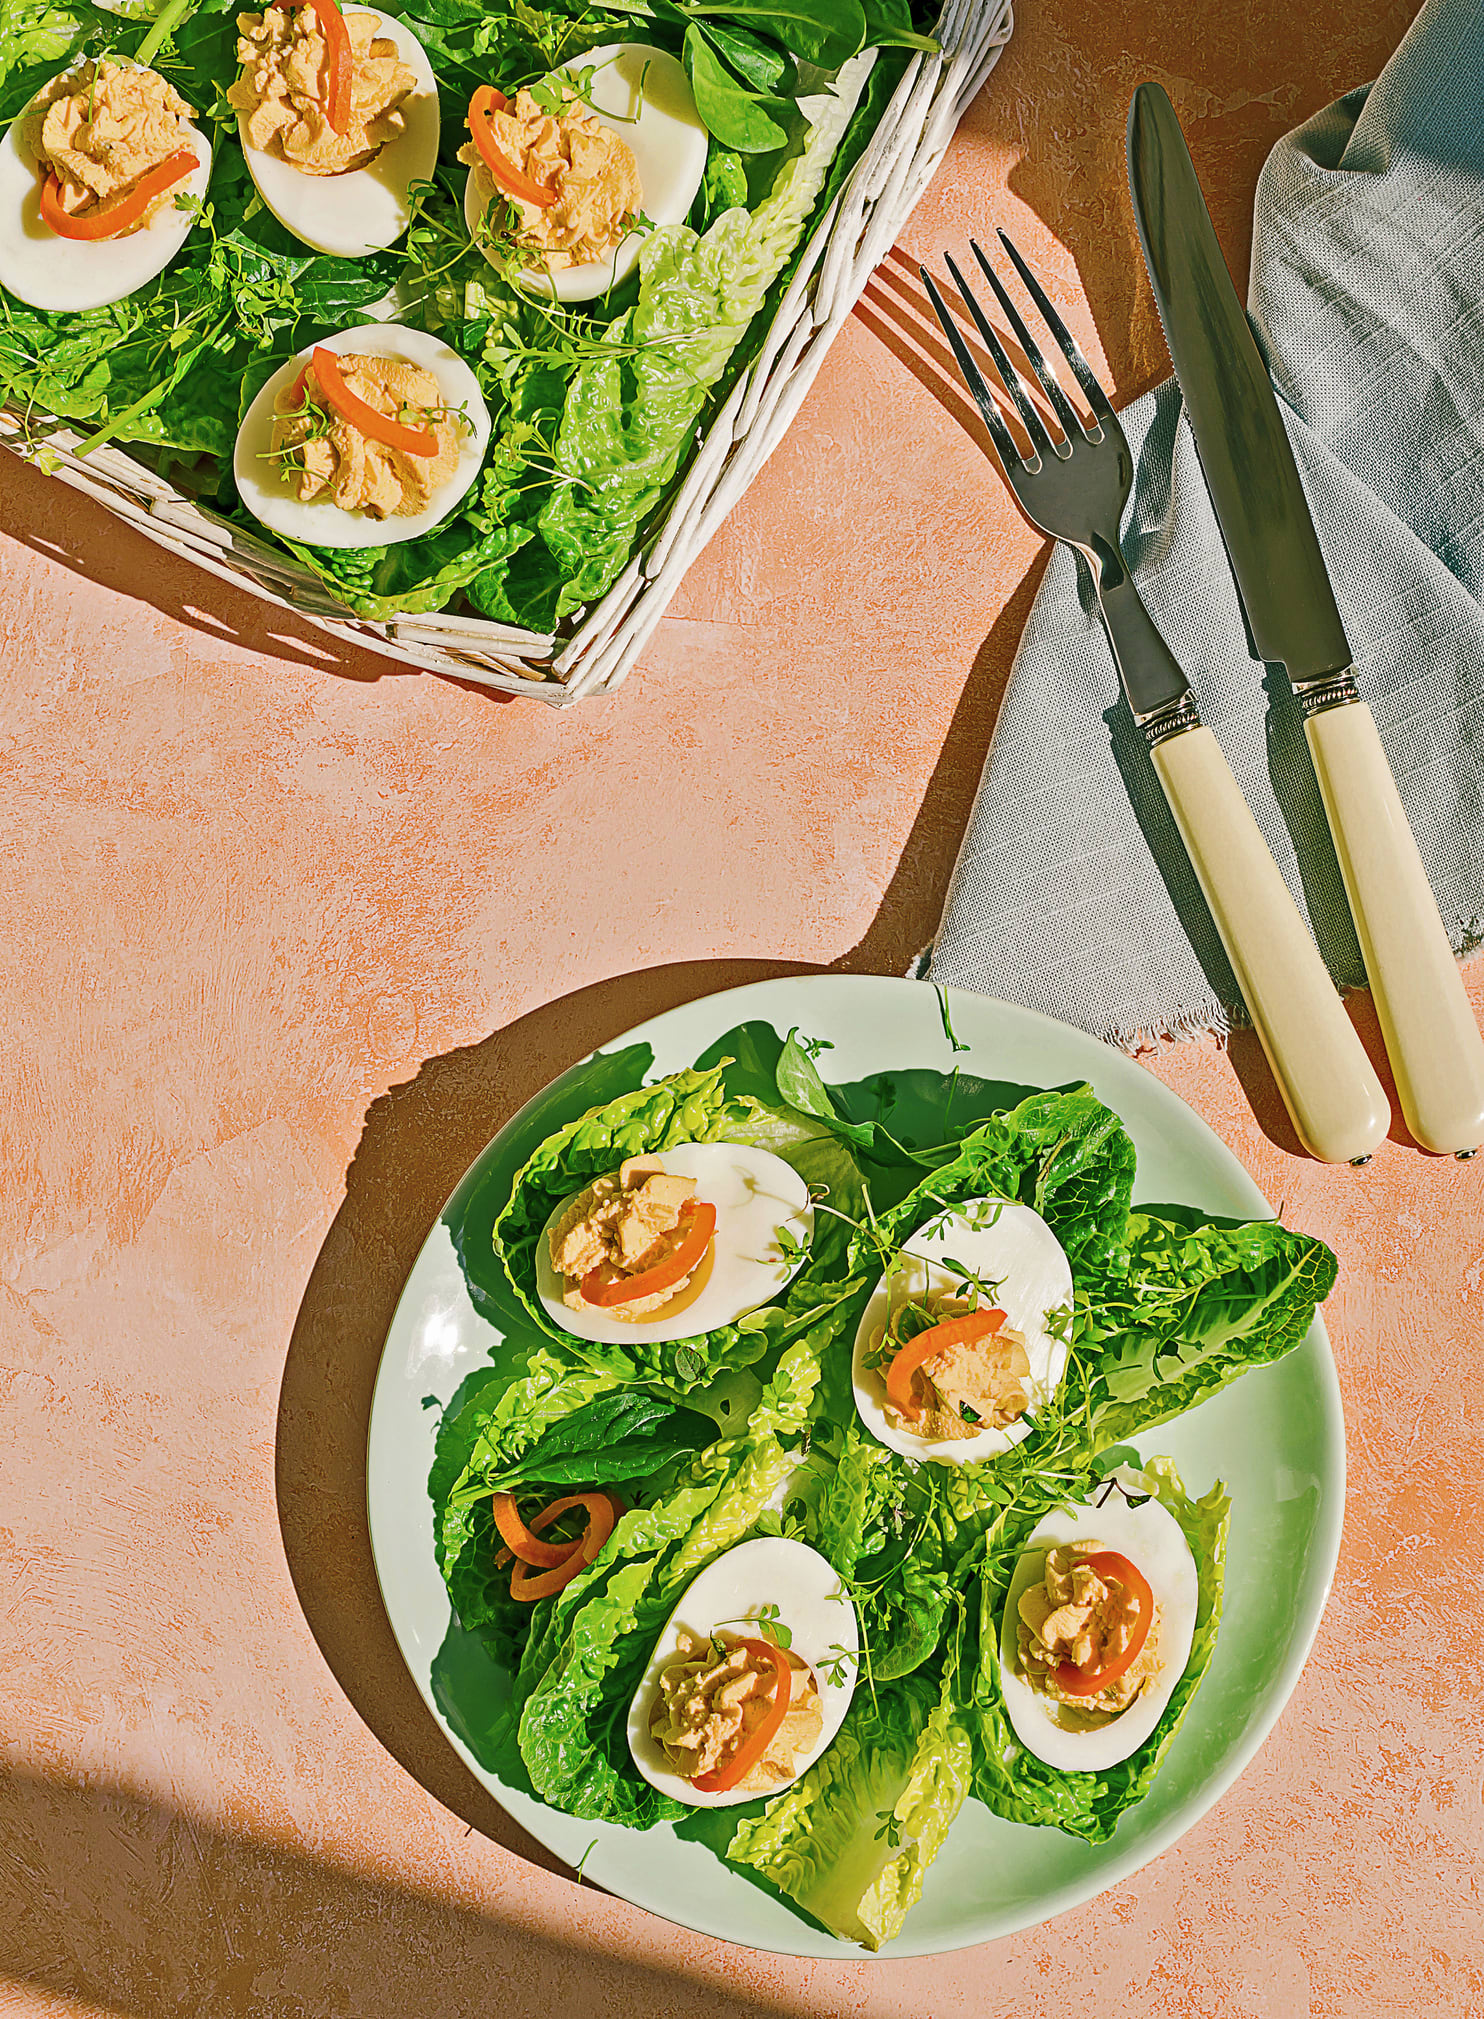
(689, 1107)
(630, 418)
(1065, 1154)
(573, 1729)
(1011, 1780)
(500, 1419)
(850, 1842)
(1190, 1307)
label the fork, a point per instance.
(1074, 486)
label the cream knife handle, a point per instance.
(1433, 1041)
(1328, 1084)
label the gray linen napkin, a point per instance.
(1072, 892)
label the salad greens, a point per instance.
(1167, 1309)
(595, 407)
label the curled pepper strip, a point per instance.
(937, 1339)
(604, 1286)
(522, 1541)
(601, 1513)
(376, 426)
(756, 1744)
(1113, 1568)
(339, 59)
(511, 179)
(108, 219)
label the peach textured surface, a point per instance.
(285, 940)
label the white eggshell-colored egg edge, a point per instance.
(812, 1604)
(745, 1213)
(1019, 1248)
(643, 95)
(320, 523)
(1153, 1541)
(68, 275)
(365, 209)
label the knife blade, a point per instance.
(1428, 1026)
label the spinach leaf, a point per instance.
(627, 1433)
(824, 32)
(800, 1085)
(751, 121)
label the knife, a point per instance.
(1431, 1036)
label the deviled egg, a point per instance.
(1113, 1588)
(750, 1679)
(367, 452)
(672, 1245)
(338, 118)
(974, 1393)
(90, 174)
(578, 167)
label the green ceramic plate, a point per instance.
(1276, 1437)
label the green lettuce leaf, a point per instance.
(849, 1842)
(1012, 1781)
(623, 1434)
(1190, 1308)
(629, 420)
(689, 1107)
(573, 1729)
(500, 1418)
(1065, 1154)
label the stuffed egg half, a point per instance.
(641, 96)
(320, 522)
(1025, 1271)
(1150, 1538)
(769, 1583)
(348, 211)
(66, 275)
(763, 1226)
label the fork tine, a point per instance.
(1051, 385)
(1097, 399)
(1015, 385)
(984, 399)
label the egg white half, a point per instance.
(1007, 1244)
(66, 275)
(1153, 1541)
(639, 83)
(367, 208)
(319, 523)
(811, 1603)
(754, 1193)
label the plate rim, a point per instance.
(1267, 1709)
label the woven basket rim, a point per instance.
(847, 244)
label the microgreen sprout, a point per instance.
(767, 1623)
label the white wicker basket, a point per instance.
(848, 244)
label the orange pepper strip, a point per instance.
(753, 1747)
(1113, 1569)
(510, 178)
(580, 1554)
(548, 1515)
(520, 1538)
(114, 217)
(952, 1332)
(603, 1286)
(339, 59)
(378, 427)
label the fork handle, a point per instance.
(1431, 1036)
(1328, 1084)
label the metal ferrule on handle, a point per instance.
(1426, 1019)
